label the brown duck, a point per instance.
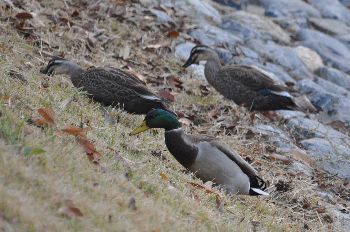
(245, 85)
(109, 86)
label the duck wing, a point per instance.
(250, 77)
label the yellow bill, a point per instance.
(143, 127)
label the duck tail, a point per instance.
(257, 186)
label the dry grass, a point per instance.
(41, 169)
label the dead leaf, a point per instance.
(283, 159)
(93, 155)
(70, 210)
(24, 15)
(199, 186)
(76, 131)
(321, 209)
(163, 176)
(166, 95)
(173, 34)
(174, 81)
(48, 117)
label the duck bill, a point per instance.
(143, 127)
(188, 62)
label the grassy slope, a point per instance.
(34, 187)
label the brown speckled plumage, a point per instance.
(111, 87)
(244, 85)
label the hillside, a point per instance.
(48, 182)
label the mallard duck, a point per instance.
(207, 158)
(109, 86)
(245, 85)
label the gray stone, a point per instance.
(304, 128)
(298, 168)
(334, 107)
(332, 88)
(310, 58)
(335, 76)
(162, 17)
(282, 55)
(347, 4)
(275, 135)
(197, 9)
(248, 26)
(214, 36)
(237, 4)
(330, 156)
(283, 8)
(288, 114)
(332, 9)
(330, 49)
(330, 26)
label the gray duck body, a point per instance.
(212, 161)
(111, 87)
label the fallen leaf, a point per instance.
(173, 34)
(174, 81)
(48, 114)
(70, 210)
(76, 131)
(199, 186)
(163, 176)
(24, 15)
(283, 159)
(321, 209)
(166, 95)
(93, 155)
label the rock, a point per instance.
(224, 55)
(275, 135)
(335, 76)
(288, 114)
(183, 51)
(331, 157)
(298, 168)
(310, 58)
(237, 4)
(198, 9)
(332, 9)
(330, 26)
(332, 88)
(333, 106)
(347, 4)
(304, 128)
(214, 36)
(248, 26)
(344, 39)
(330, 49)
(289, 8)
(282, 55)
(162, 17)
